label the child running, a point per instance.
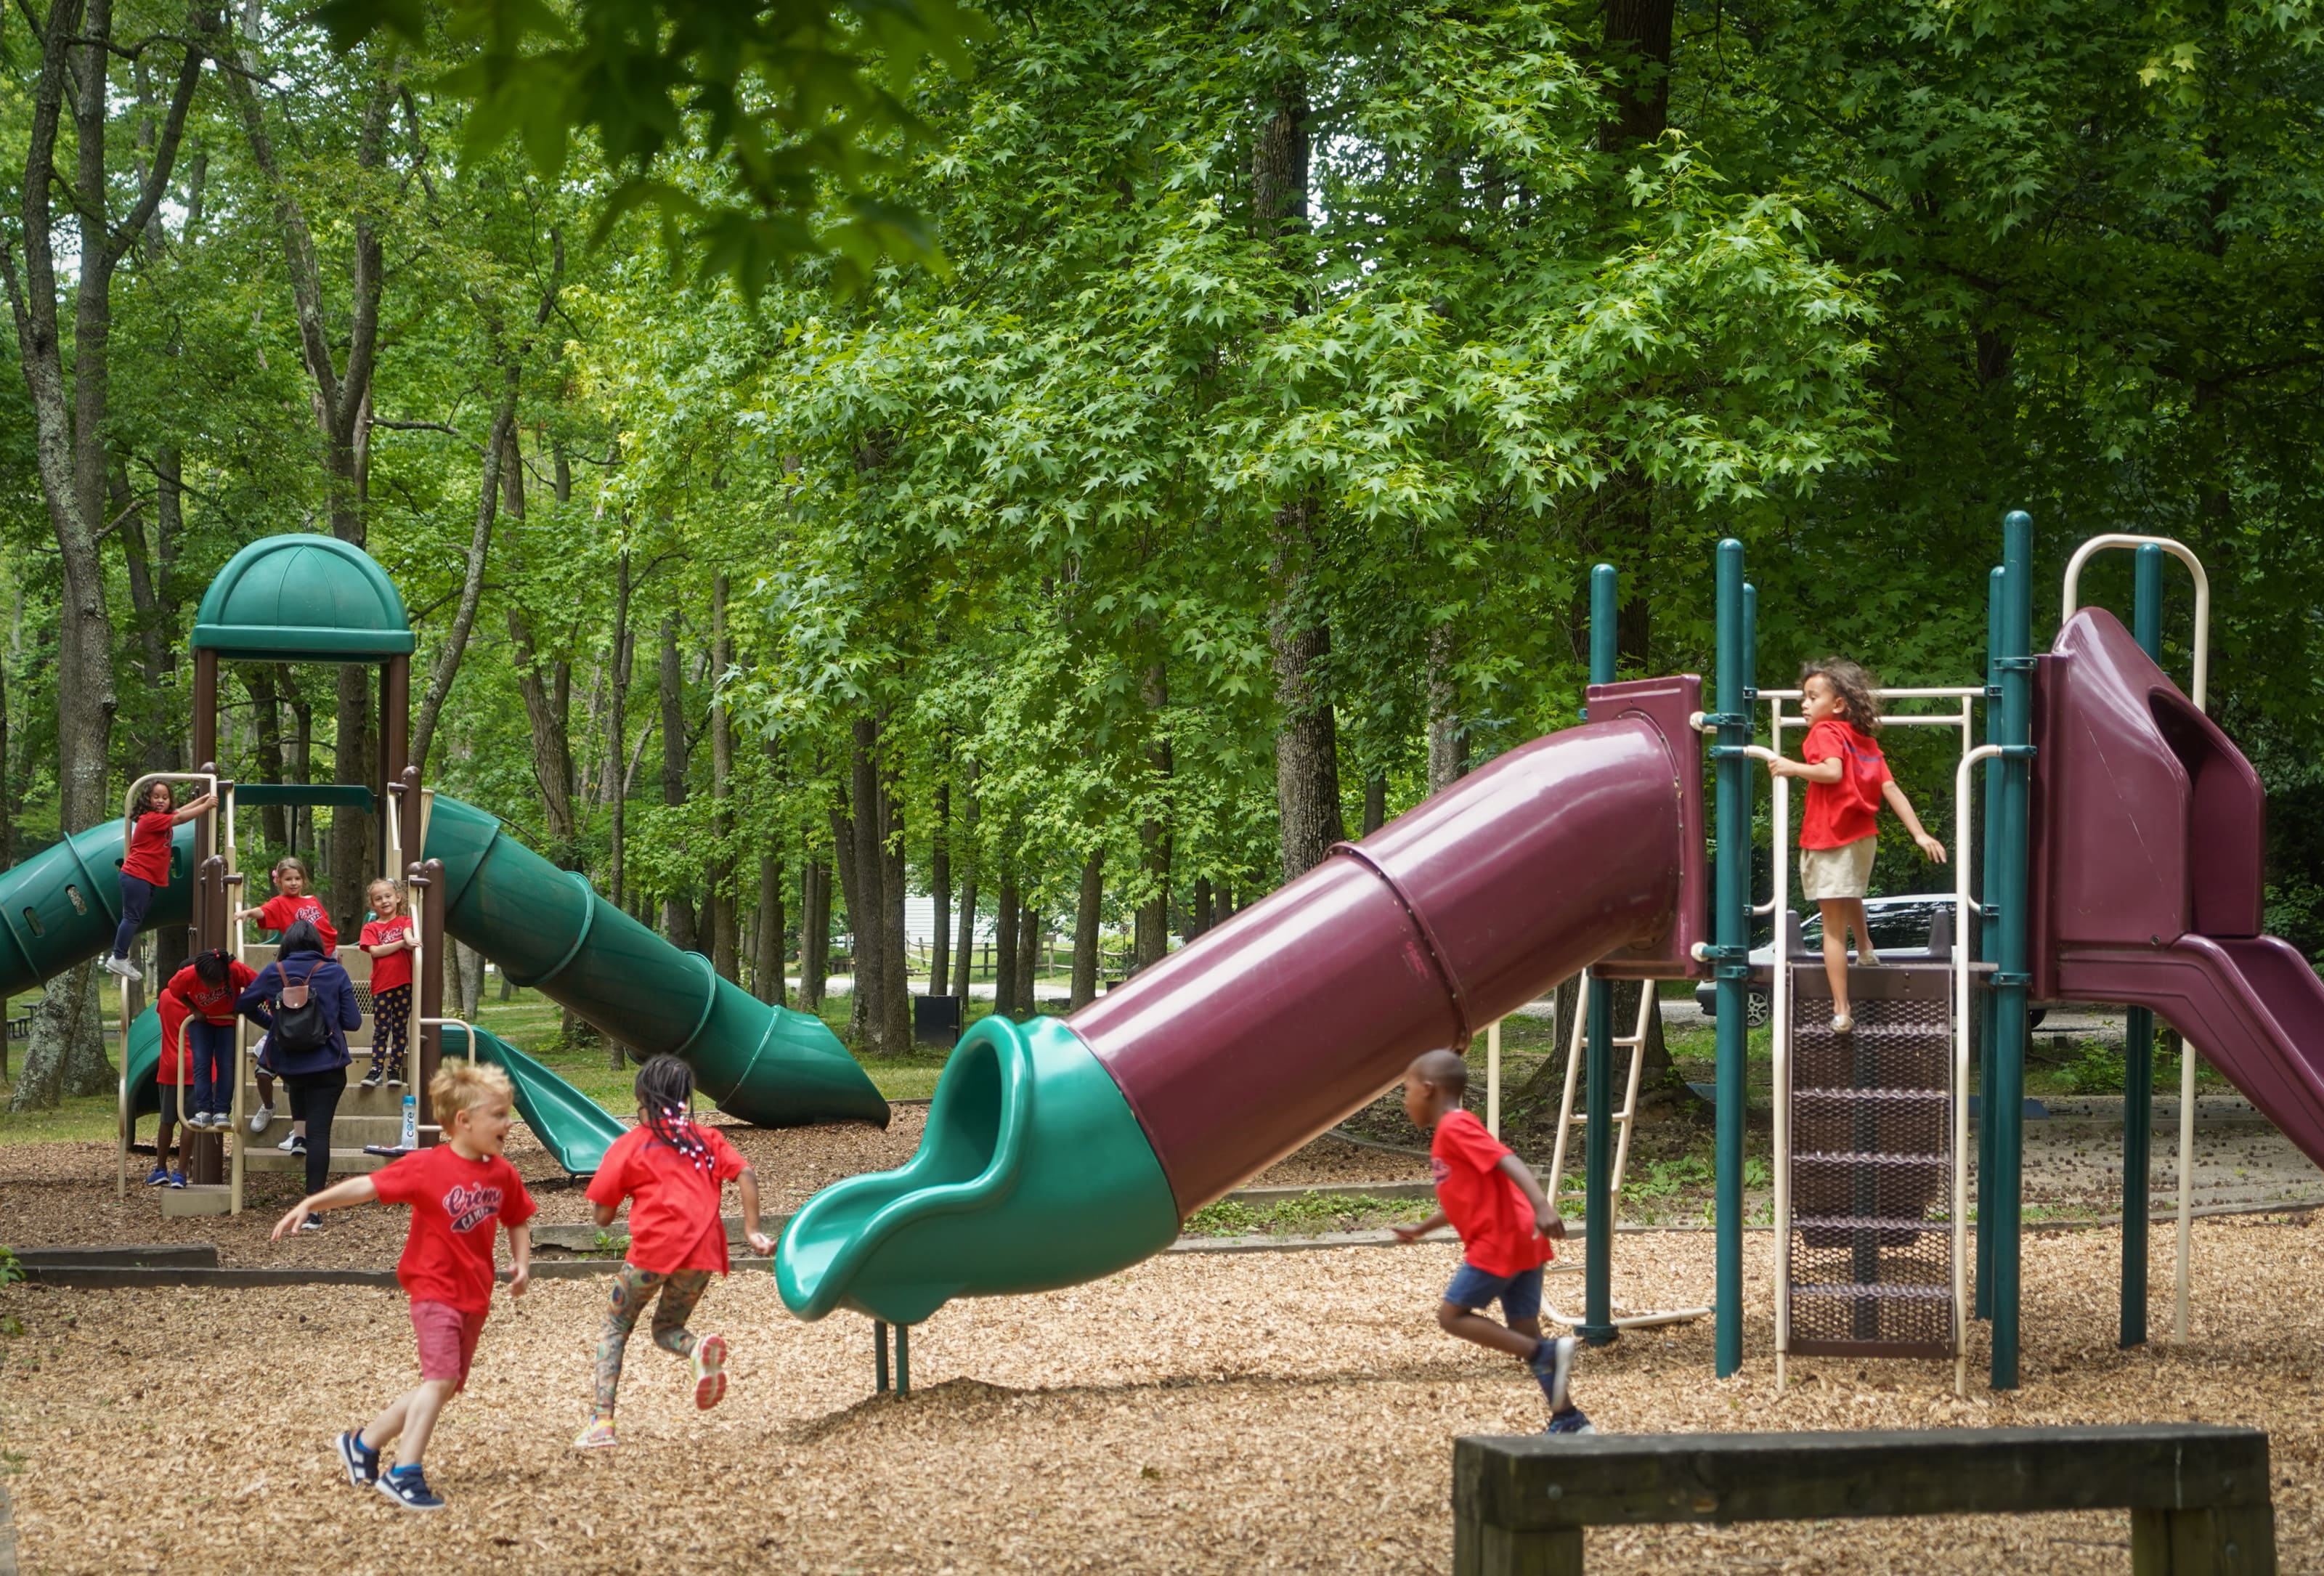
(672, 1169)
(1506, 1223)
(203, 995)
(1848, 782)
(145, 865)
(387, 936)
(292, 902)
(456, 1189)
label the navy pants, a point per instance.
(211, 1047)
(136, 897)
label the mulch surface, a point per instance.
(1195, 1413)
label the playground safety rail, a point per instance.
(127, 1122)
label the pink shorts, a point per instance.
(448, 1340)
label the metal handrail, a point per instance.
(128, 1123)
(460, 1023)
(1962, 955)
(129, 798)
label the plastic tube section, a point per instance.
(1062, 1150)
(551, 931)
(61, 906)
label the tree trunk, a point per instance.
(472, 582)
(1448, 737)
(894, 975)
(767, 967)
(1005, 915)
(547, 700)
(1028, 955)
(963, 961)
(1198, 915)
(940, 893)
(864, 899)
(467, 978)
(1375, 802)
(267, 712)
(815, 933)
(302, 761)
(677, 908)
(7, 797)
(1151, 924)
(615, 787)
(724, 948)
(1087, 915)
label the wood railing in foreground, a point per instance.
(2198, 1493)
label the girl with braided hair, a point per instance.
(673, 1171)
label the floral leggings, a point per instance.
(391, 1020)
(633, 1288)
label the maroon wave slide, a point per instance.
(2148, 838)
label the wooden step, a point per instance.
(345, 1162)
(196, 1199)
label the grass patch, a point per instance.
(1310, 1214)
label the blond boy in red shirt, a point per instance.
(458, 1190)
(1488, 1195)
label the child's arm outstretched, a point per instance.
(1546, 1217)
(352, 1190)
(1826, 771)
(1898, 801)
(747, 1180)
(1435, 1223)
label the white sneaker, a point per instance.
(1842, 1023)
(125, 968)
(296, 1144)
(261, 1119)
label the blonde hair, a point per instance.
(460, 1086)
(394, 887)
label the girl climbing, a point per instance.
(1848, 782)
(289, 905)
(145, 865)
(673, 1170)
(387, 936)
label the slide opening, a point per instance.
(965, 1124)
(2226, 818)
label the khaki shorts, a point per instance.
(1837, 872)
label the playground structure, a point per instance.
(2127, 869)
(312, 598)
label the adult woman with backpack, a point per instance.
(305, 1003)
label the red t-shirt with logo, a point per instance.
(675, 1222)
(214, 1002)
(1846, 811)
(280, 912)
(147, 857)
(449, 1257)
(1484, 1202)
(395, 969)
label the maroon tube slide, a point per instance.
(1235, 1051)
(2148, 837)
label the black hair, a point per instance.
(300, 936)
(664, 1085)
(209, 967)
(1444, 1069)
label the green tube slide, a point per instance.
(1034, 1174)
(61, 906)
(551, 931)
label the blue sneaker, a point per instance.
(158, 1178)
(361, 1461)
(177, 1179)
(408, 1487)
(1552, 1365)
(1570, 1421)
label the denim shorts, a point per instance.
(1519, 1294)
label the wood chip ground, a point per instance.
(1271, 1412)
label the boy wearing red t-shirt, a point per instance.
(673, 1171)
(1488, 1195)
(1848, 782)
(456, 1189)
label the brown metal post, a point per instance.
(394, 739)
(427, 881)
(413, 832)
(206, 707)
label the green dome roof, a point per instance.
(302, 598)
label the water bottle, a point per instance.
(411, 1139)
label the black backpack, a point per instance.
(300, 1029)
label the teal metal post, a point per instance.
(880, 1355)
(903, 1361)
(2138, 1028)
(1598, 1133)
(1731, 925)
(2005, 1105)
(1989, 934)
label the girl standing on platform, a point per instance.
(145, 865)
(673, 1170)
(1848, 782)
(388, 938)
(289, 905)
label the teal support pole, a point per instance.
(1598, 1133)
(903, 1361)
(2138, 1028)
(1730, 926)
(880, 1355)
(2005, 1105)
(1989, 934)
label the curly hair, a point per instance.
(1857, 689)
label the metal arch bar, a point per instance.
(129, 798)
(462, 1024)
(2185, 555)
(1920, 692)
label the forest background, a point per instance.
(1080, 460)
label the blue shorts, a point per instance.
(1519, 1294)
